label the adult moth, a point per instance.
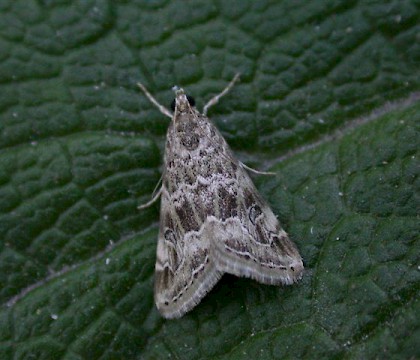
(212, 218)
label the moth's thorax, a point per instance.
(194, 148)
(188, 131)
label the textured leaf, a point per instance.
(328, 100)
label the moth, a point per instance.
(212, 218)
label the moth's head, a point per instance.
(182, 101)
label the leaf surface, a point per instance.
(328, 100)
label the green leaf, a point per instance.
(328, 100)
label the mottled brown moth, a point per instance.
(212, 218)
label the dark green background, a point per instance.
(328, 100)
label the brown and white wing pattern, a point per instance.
(185, 270)
(250, 242)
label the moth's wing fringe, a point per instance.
(231, 265)
(177, 309)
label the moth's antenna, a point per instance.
(161, 108)
(215, 99)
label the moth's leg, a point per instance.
(216, 98)
(256, 171)
(152, 201)
(161, 108)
